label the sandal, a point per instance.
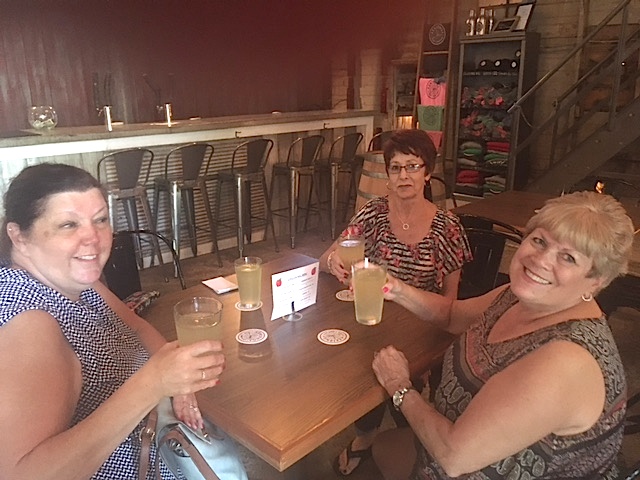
(359, 455)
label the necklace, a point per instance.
(405, 225)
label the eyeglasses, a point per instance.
(410, 168)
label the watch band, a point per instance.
(398, 396)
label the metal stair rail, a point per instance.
(580, 141)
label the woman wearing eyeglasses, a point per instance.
(420, 244)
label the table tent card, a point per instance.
(294, 290)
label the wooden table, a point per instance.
(286, 396)
(516, 207)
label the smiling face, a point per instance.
(409, 181)
(549, 274)
(68, 244)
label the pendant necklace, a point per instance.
(405, 225)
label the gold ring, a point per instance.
(204, 374)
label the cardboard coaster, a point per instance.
(251, 336)
(333, 336)
(345, 295)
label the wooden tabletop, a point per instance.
(516, 207)
(286, 396)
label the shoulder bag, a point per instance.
(207, 455)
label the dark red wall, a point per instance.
(208, 57)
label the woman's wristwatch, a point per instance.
(398, 396)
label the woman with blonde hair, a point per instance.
(533, 386)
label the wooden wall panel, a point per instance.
(209, 58)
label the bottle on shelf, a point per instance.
(481, 23)
(490, 21)
(470, 24)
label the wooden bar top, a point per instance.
(284, 397)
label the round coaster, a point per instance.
(333, 336)
(251, 336)
(345, 295)
(245, 309)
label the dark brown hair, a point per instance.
(411, 142)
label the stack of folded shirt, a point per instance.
(497, 154)
(469, 178)
(494, 185)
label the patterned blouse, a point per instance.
(108, 350)
(423, 265)
(472, 360)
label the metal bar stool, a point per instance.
(248, 163)
(301, 156)
(125, 174)
(341, 159)
(186, 169)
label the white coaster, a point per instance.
(333, 336)
(251, 336)
(345, 295)
(245, 309)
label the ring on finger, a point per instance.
(204, 374)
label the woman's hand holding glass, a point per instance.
(186, 370)
(337, 268)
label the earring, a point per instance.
(388, 188)
(586, 297)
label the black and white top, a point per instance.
(108, 350)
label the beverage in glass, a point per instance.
(249, 276)
(368, 279)
(197, 318)
(350, 250)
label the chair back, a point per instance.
(304, 151)
(481, 275)
(192, 158)
(121, 272)
(484, 223)
(379, 139)
(344, 148)
(436, 190)
(131, 167)
(256, 152)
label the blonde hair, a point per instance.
(596, 225)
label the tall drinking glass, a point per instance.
(197, 318)
(350, 250)
(249, 276)
(368, 279)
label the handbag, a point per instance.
(209, 454)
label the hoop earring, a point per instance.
(586, 297)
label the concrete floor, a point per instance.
(625, 324)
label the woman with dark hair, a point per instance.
(79, 370)
(533, 386)
(419, 243)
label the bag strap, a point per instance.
(176, 435)
(147, 435)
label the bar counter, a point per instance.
(73, 140)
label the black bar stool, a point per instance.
(341, 159)
(248, 163)
(301, 156)
(186, 169)
(125, 174)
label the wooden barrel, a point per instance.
(373, 180)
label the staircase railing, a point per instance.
(569, 123)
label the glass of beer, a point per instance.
(350, 250)
(249, 276)
(197, 318)
(368, 279)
